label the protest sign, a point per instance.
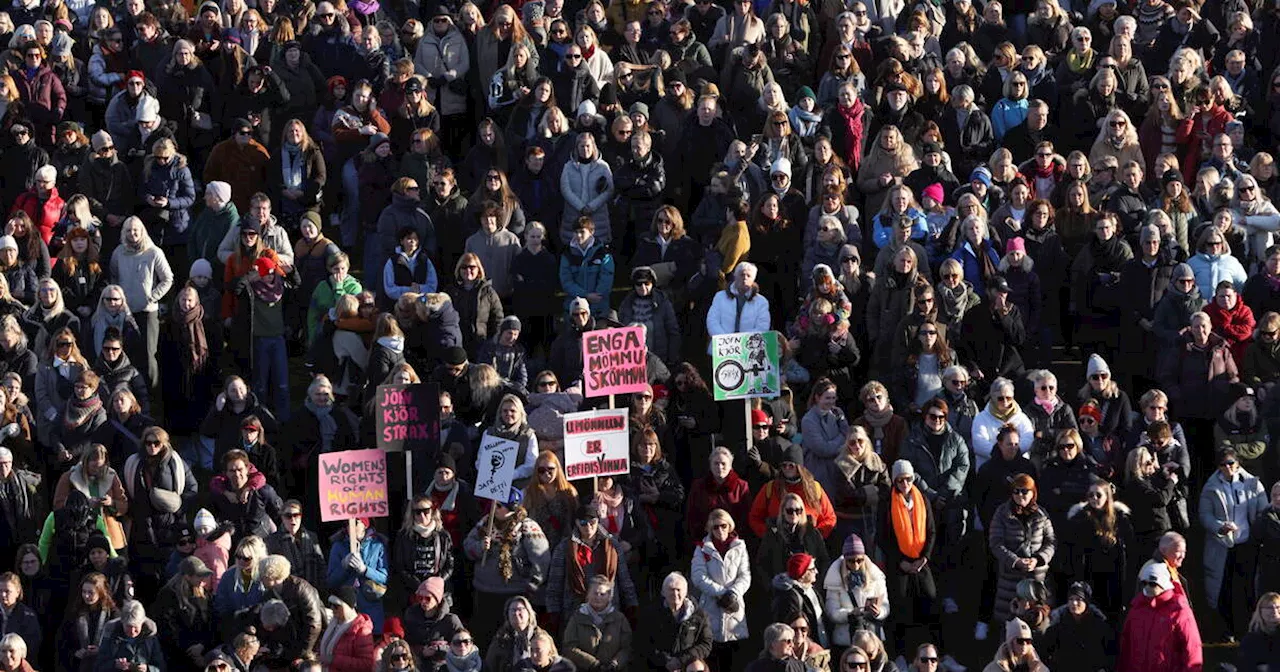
(495, 467)
(409, 418)
(353, 484)
(596, 443)
(613, 361)
(745, 365)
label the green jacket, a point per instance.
(207, 233)
(325, 297)
(46, 536)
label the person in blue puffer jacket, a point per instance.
(899, 202)
(1214, 263)
(365, 569)
(586, 269)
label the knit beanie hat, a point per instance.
(204, 522)
(1016, 628)
(201, 268)
(933, 191)
(798, 564)
(853, 546)
(903, 468)
(220, 190)
(1098, 365)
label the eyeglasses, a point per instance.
(936, 417)
(461, 642)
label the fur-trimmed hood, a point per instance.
(1080, 506)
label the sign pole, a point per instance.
(746, 407)
(408, 474)
(493, 509)
(352, 543)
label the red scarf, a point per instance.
(853, 118)
(723, 548)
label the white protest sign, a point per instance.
(495, 467)
(596, 443)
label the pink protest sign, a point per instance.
(353, 484)
(613, 361)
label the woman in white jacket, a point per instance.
(1001, 410)
(1260, 218)
(721, 575)
(857, 595)
(587, 186)
(727, 317)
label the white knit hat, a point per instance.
(205, 522)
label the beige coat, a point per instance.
(107, 483)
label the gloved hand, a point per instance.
(729, 602)
(356, 563)
(9, 430)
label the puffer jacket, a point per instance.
(1234, 325)
(940, 478)
(715, 576)
(1160, 634)
(1047, 425)
(587, 189)
(725, 317)
(354, 651)
(530, 558)
(1261, 363)
(1210, 269)
(684, 634)
(844, 603)
(45, 100)
(791, 599)
(588, 271)
(1013, 537)
(174, 183)
(373, 551)
(1064, 483)
(479, 313)
(443, 60)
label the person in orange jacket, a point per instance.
(793, 478)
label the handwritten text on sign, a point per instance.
(353, 484)
(614, 361)
(408, 417)
(596, 444)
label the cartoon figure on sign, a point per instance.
(732, 374)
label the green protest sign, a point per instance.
(745, 365)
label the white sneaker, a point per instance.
(980, 631)
(949, 606)
(950, 664)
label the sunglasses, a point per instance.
(1229, 463)
(794, 511)
(1099, 376)
(423, 511)
(152, 442)
(1021, 491)
(936, 416)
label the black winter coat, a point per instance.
(991, 344)
(479, 312)
(1085, 644)
(666, 635)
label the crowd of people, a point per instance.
(230, 222)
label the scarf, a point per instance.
(328, 426)
(468, 663)
(191, 337)
(80, 410)
(1003, 417)
(722, 547)
(908, 526)
(805, 124)
(1078, 64)
(583, 555)
(612, 509)
(269, 289)
(853, 120)
(1108, 255)
(1047, 404)
(521, 641)
(291, 166)
(509, 532)
(597, 617)
(878, 420)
